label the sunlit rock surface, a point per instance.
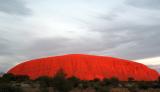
(85, 67)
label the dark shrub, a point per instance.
(9, 88)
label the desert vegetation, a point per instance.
(59, 83)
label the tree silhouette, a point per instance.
(60, 82)
(74, 81)
(9, 77)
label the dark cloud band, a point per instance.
(16, 7)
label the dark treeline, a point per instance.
(62, 84)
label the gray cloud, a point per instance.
(60, 45)
(11, 59)
(135, 44)
(148, 4)
(45, 47)
(4, 45)
(14, 7)
(132, 33)
(124, 32)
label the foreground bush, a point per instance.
(9, 88)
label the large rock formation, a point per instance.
(85, 67)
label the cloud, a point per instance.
(60, 45)
(134, 43)
(148, 4)
(4, 45)
(156, 67)
(17, 7)
(132, 33)
(121, 31)
(153, 63)
(45, 47)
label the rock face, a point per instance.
(85, 67)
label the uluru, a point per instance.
(86, 67)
